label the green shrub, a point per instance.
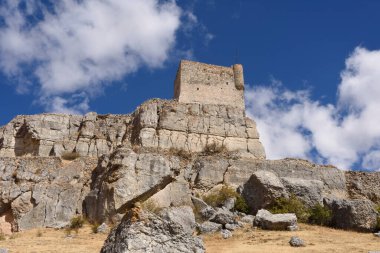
(320, 215)
(94, 227)
(241, 205)
(217, 199)
(76, 223)
(290, 205)
(378, 217)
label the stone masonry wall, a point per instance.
(209, 84)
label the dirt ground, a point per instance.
(52, 240)
(318, 239)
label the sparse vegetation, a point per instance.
(214, 148)
(2, 236)
(290, 205)
(241, 205)
(94, 227)
(76, 223)
(151, 206)
(217, 198)
(70, 155)
(378, 217)
(320, 215)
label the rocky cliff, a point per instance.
(55, 166)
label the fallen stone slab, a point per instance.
(266, 220)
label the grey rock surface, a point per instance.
(142, 232)
(209, 227)
(262, 189)
(248, 219)
(103, 229)
(182, 215)
(296, 242)
(267, 220)
(43, 192)
(226, 233)
(223, 216)
(358, 214)
(144, 174)
(229, 203)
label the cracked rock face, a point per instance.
(146, 232)
(156, 124)
(42, 192)
(56, 166)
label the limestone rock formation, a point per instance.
(42, 192)
(358, 214)
(56, 166)
(146, 232)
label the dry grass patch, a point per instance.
(54, 240)
(317, 238)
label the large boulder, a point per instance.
(262, 189)
(144, 232)
(357, 214)
(224, 216)
(267, 220)
(309, 191)
(209, 227)
(144, 174)
(182, 215)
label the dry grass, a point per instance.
(318, 239)
(46, 240)
(247, 240)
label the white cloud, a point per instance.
(78, 46)
(346, 134)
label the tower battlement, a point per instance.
(209, 84)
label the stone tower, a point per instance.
(209, 84)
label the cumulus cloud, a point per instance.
(346, 134)
(77, 47)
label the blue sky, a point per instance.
(309, 65)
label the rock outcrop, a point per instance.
(56, 166)
(358, 214)
(146, 232)
(42, 192)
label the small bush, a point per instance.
(320, 215)
(151, 206)
(378, 217)
(241, 205)
(217, 199)
(290, 205)
(70, 156)
(76, 223)
(2, 236)
(94, 227)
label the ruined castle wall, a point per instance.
(209, 84)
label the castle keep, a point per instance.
(209, 84)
